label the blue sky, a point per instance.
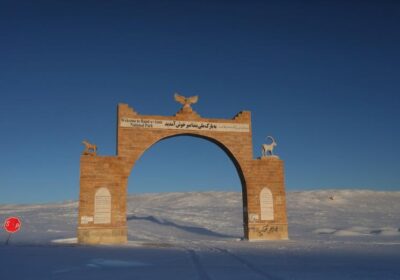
(320, 76)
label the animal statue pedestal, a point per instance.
(85, 153)
(187, 113)
(268, 157)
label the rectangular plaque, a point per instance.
(184, 125)
(267, 205)
(102, 210)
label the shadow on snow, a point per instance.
(191, 229)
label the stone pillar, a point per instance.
(266, 200)
(102, 200)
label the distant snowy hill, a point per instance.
(180, 217)
(334, 234)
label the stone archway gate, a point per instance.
(103, 179)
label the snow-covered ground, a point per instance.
(334, 234)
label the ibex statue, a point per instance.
(269, 148)
(89, 148)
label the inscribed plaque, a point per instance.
(102, 206)
(266, 204)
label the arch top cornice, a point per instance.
(128, 111)
(136, 132)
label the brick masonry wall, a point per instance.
(112, 172)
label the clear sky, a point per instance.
(323, 77)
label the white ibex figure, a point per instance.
(269, 148)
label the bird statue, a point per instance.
(186, 101)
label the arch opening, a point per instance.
(213, 197)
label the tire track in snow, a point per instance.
(249, 265)
(197, 264)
